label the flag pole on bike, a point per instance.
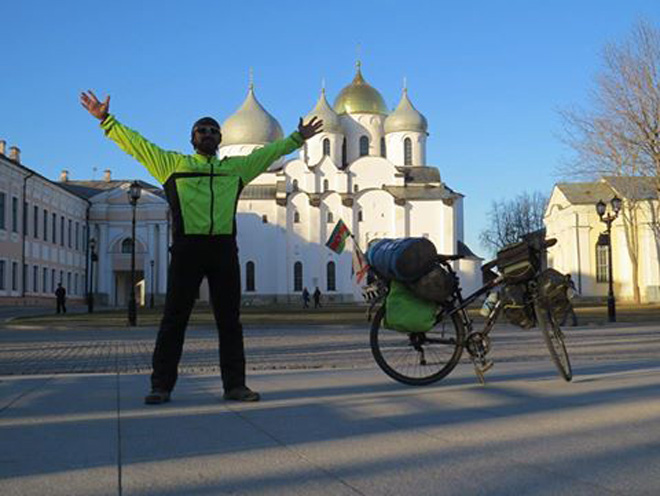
(337, 242)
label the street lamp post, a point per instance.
(93, 258)
(134, 192)
(151, 298)
(601, 208)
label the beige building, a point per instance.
(42, 235)
(571, 217)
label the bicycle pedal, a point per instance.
(486, 366)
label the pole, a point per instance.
(132, 310)
(151, 299)
(611, 305)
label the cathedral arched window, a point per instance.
(356, 188)
(298, 276)
(294, 185)
(326, 185)
(344, 154)
(360, 217)
(330, 218)
(364, 146)
(330, 277)
(127, 245)
(264, 219)
(296, 217)
(326, 147)
(249, 276)
(407, 151)
(383, 149)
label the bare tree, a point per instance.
(620, 134)
(510, 220)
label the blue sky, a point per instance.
(488, 75)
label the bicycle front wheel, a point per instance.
(554, 340)
(417, 358)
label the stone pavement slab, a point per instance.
(344, 431)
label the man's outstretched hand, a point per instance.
(91, 103)
(313, 127)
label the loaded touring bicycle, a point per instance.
(421, 326)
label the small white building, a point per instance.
(571, 217)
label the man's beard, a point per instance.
(207, 147)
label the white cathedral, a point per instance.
(367, 167)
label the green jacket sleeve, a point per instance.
(258, 161)
(158, 162)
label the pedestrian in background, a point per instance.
(317, 297)
(305, 297)
(60, 298)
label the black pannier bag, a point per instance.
(553, 289)
(518, 262)
(517, 306)
(437, 285)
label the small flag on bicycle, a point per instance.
(337, 240)
(360, 266)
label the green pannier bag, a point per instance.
(406, 312)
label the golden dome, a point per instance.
(251, 124)
(360, 97)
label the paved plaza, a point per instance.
(72, 420)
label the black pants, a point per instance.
(61, 307)
(192, 259)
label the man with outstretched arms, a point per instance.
(203, 193)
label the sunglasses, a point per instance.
(207, 130)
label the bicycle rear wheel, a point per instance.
(554, 340)
(418, 358)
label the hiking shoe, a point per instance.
(156, 397)
(242, 393)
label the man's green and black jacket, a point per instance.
(202, 191)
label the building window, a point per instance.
(602, 263)
(25, 218)
(77, 237)
(326, 185)
(54, 229)
(25, 278)
(264, 219)
(3, 207)
(296, 218)
(44, 280)
(330, 272)
(68, 280)
(383, 149)
(359, 215)
(2, 274)
(14, 276)
(330, 218)
(14, 214)
(364, 146)
(36, 222)
(61, 281)
(70, 242)
(45, 231)
(295, 185)
(249, 276)
(52, 281)
(75, 284)
(356, 188)
(62, 230)
(407, 151)
(35, 279)
(298, 276)
(326, 147)
(127, 245)
(344, 154)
